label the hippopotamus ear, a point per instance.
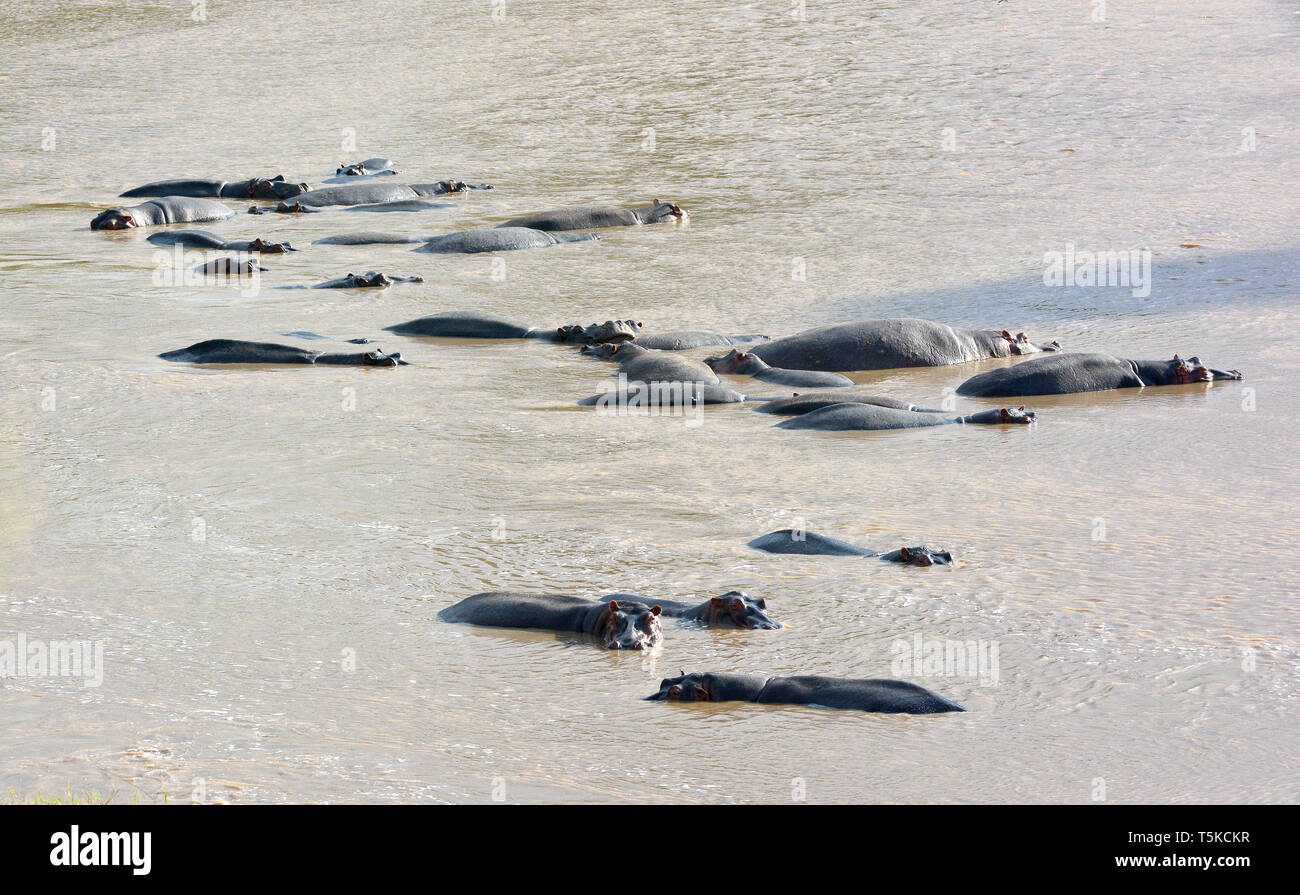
(655, 610)
(1006, 335)
(1177, 359)
(1006, 414)
(717, 601)
(613, 605)
(1021, 407)
(904, 554)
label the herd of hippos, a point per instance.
(652, 374)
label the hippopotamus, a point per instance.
(662, 396)
(294, 207)
(254, 188)
(371, 166)
(593, 217)
(749, 364)
(1071, 373)
(472, 325)
(863, 417)
(650, 365)
(876, 695)
(615, 624)
(686, 339)
(372, 193)
(734, 609)
(232, 351)
(501, 239)
(203, 239)
(228, 267)
(371, 279)
(892, 342)
(798, 404)
(807, 543)
(367, 238)
(156, 212)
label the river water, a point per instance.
(261, 553)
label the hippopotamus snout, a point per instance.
(743, 611)
(1192, 370)
(112, 219)
(1020, 344)
(687, 688)
(380, 359)
(924, 556)
(631, 626)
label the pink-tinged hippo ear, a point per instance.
(677, 211)
(657, 202)
(1006, 335)
(1006, 414)
(655, 610)
(716, 601)
(1177, 359)
(904, 554)
(1022, 407)
(737, 603)
(613, 605)
(1021, 337)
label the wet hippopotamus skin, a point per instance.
(593, 217)
(1071, 373)
(372, 193)
(203, 239)
(687, 339)
(472, 325)
(865, 695)
(734, 609)
(372, 167)
(807, 543)
(371, 279)
(649, 365)
(156, 212)
(200, 188)
(748, 363)
(886, 343)
(872, 417)
(615, 624)
(229, 267)
(232, 351)
(797, 404)
(368, 238)
(662, 396)
(500, 239)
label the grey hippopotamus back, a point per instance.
(367, 238)
(662, 396)
(1070, 373)
(686, 339)
(866, 695)
(615, 624)
(200, 188)
(648, 365)
(748, 363)
(500, 239)
(891, 342)
(473, 325)
(798, 404)
(232, 351)
(203, 239)
(807, 543)
(373, 193)
(871, 417)
(593, 217)
(156, 212)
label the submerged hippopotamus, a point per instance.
(593, 217)
(500, 239)
(203, 239)
(807, 543)
(734, 609)
(892, 342)
(884, 696)
(615, 624)
(372, 193)
(798, 404)
(370, 167)
(367, 238)
(662, 396)
(472, 325)
(650, 365)
(1071, 373)
(686, 339)
(254, 188)
(371, 279)
(229, 267)
(871, 417)
(232, 351)
(156, 212)
(750, 364)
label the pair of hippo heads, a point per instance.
(609, 332)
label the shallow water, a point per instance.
(239, 538)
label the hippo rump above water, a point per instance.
(807, 543)
(1071, 373)
(233, 351)
(748, 363)
(499, 239)
(872, 417)
(205, 188)
(798, 404)
(883, 696)
(891, 342)
(156, 212)
(593, 217)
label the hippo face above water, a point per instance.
(687, 688)
(1019, 344)
(741, 610)
(735, 361)
(600, 333)
(1185, 372)
(1015, 416)
(114, 219)
(274, 188)
(626, 625)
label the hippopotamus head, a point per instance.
(270, 248)
(274, 188)
(740, 609)
(663, 211)
(603, 350)
(380, 359)
(1020, 344)
(687, 688)
(113, 219)
(628, 625)
(1184, 372)
(453, 186)
(1002, 416)
(600, 333)
(369, 279)
(922, 556)
(736, 361)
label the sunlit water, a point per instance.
(239, 539)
